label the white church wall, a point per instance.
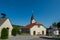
(6, 24)
(38, 30)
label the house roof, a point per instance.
(31, 25)
(2, 20)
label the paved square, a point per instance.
(28, 38)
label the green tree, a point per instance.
(18, 30)
(15, 31)
(58, 24)
(54, 24)
(4, 33)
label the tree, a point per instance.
(18, 28)
(54, 24)
(15, 31)
(4, 33)
(3, 15)
(58, 24)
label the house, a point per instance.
(5, 23)
(35, 28)
(53, 31)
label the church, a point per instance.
(35, 28)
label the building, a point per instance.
(53, 31)
(5, 23)
(35, 28)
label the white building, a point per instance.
(56, 32)
(53, 30)
(35, 28)
(5, 23)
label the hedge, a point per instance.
(4, 33)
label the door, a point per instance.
(42, 32)
(34, 32)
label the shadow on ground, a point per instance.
(50, 38)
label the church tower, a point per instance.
(32, 19)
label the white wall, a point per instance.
(38, 30)
(56, 32)
(5, 25)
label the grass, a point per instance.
(23, 33)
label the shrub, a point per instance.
(14, 31)
(18, 30)
(4, 33)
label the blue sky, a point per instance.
(19, 11)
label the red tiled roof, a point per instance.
(31, 25)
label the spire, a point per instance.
(32, 11)
(32, 18)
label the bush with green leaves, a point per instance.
(4, 33)
(15, 31)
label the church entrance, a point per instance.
(42, 32)
(34, 32)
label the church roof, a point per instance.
(2, 20)
(31, 25)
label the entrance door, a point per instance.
(42, 32)
(34, 32)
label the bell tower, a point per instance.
(32, 18)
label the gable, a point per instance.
(6, 24)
